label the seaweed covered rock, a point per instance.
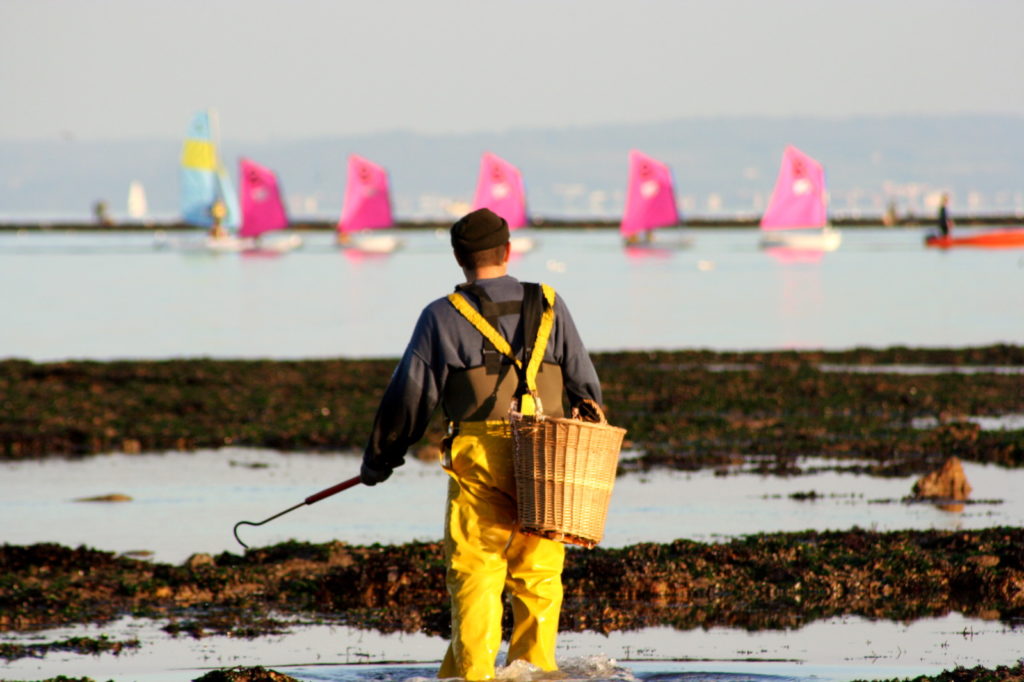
(245, 674)
(683, 409)
(947, 483)
(764, 581)
(1003, 673)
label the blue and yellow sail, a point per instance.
(204, 182)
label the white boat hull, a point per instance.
(826, 239)
(378, 243)
(282, 244)
(522, 244)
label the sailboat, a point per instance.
(367, 206)
(137, 205)
(650, 201)
(797, 206)
(1008, 238)
(499, 187)
(262, 208)
(207, 198)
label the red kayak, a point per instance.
(998, 239)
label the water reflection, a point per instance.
(256, 253)
(788, 255)
(801, 297)
(188, 502)
(833, 649)
(358, 256)
(644, 253)
(1001, 422)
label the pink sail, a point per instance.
(262, 208)
(650, 197)
(798, 200)
(500, 188)
(367, 198)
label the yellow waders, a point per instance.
(484, 553)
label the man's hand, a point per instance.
(588, 411)
(371, 476)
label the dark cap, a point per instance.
(479, 230)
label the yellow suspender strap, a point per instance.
(483, 326)
(547, 322)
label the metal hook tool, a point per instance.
(315, 497)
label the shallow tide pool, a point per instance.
(188, 502)
(833, 649)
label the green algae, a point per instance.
(1003, 673)
(682, 409)
(765, 581)
(245, 674)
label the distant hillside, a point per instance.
(723, 167)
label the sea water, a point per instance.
(833, 649)
(123, 295)
(182, 503)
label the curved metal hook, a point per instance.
(235, 531)
(260, 523)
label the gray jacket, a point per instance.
(444, 341)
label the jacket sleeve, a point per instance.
(409, 401)
(578, 373)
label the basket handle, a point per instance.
(589, 411)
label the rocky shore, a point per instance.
(682, 409)
(765, 581)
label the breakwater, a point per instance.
(539, 223)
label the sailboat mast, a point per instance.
(215, 134)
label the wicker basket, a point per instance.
(565, 471)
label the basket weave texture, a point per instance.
(564, 471)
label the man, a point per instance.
(450, 362)
(945, 223)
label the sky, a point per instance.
(115, 69)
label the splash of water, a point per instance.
(582, 669)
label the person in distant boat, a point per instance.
(100, 210)
(645, 237)
(450, 362)
(945, 223)
(218, 211)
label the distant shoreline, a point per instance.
(698, 223)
